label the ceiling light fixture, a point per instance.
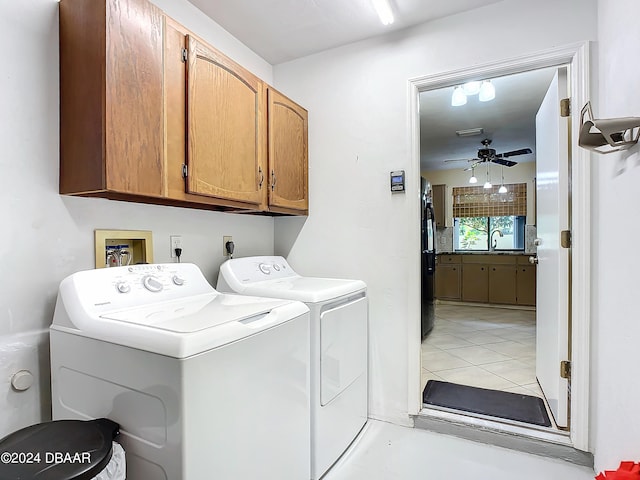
(487, 91)
(458, 98)
(473, 178)
(471, 88)
(487, 184)
(484, 89)
(383, 9)
(470, 132)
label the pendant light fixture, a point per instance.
(473, 178)
(502, 188)
(487, 184)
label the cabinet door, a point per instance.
(502, 284)
(111, 108)
(448, 282)
(439, 197)
(475, 283)
(288, 157)
(133, 99)
(225, 128)
(526, 288)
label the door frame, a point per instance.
(576, 56)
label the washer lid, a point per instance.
(304, 289)
(186, 327)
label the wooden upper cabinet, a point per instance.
(226, 128)
(288, 153)
(111, 108)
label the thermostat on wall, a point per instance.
(397, 181)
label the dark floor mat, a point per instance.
(494, 403)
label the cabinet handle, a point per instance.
(261, 173)
(273, 180)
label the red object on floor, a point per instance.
(626, 471)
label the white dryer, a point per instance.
(339, 318)
(204, 385)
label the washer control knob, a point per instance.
(151, 283)
(276, 267)
(123, 287)
(264, 268)
(178, 280)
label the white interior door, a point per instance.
(552, 213)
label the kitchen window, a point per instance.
(489, 233)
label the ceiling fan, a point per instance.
(487, 154)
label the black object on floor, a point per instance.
(494, 403)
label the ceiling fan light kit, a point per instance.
(473, 178)
(488, 155)
(487, 184)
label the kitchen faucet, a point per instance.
(492, 242)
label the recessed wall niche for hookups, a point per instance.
(123, 247)
(607, 135)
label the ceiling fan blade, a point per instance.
(478, 162)
(522, 151)
(502, 161)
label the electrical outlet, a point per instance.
(176, 242)
(224, 245)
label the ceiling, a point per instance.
(508, 120)
(283, 30)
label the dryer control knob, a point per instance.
(276, 267)
(123, 287)
(264, 268)
(178, 280)
(151, 283)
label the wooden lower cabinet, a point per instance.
(492, 279)
(502, 284)
(448, 282)
(526, 285)
(475, 283)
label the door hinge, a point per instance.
(565, 107)
(565, 238)
(184, 170)
(565, 369)
(185, 54)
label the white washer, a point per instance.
(204, 385)
(339, 399)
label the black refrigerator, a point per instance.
(428, 260)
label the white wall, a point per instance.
(520, 173)
(46, 236)
(616, 200)
(359, 130)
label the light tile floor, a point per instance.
(391, 452)
(483, 347)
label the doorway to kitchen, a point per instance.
(575, 56)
